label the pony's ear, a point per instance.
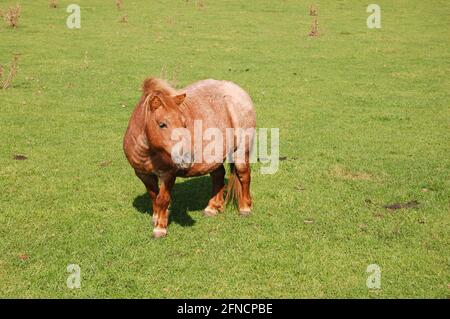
(179, 98)
(154, 103)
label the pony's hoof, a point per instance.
(210, 212)
(245, 212)
(159, 232)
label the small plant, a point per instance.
(200, 4)
(169, 20)
(12, 16)
(164, 74)
(119, 4)
(174, 80)
(13, 67)
(53, 3)
(314, 32)
(314, 28)
(124, 19)
(85, 65)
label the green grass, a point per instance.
(363, 115)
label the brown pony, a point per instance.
(154, 154)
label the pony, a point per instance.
(158, 158)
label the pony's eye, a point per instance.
(162, 125)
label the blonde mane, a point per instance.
(154, 85)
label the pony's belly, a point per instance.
(199, 169)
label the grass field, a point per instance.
(364, 122)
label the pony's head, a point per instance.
(164, 120)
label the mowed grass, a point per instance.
(364, 122)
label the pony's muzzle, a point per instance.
(180, 157)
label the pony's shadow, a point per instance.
(190, 195)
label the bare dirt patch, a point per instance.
(19, 157)
(395, 206)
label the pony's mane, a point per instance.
(154, 85)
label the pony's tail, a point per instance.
(234, 187)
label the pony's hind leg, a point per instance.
(243, 173)
(151, 184)
(216, 203)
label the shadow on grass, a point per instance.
(189, 195)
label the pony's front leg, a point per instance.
(216, 203)
(151, 184)
(162, 204)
